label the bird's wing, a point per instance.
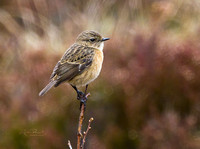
(75, 60)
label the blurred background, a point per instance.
(146, 97)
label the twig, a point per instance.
(81, 138)
(69, 144)
(85, 133)
(79, 135)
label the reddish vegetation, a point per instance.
(147, 95)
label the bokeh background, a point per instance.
(146, 97)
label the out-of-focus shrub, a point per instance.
(147, 95)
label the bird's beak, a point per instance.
(104, 39)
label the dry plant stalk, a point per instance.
(85, 133)
(81, 137)
(69, 144)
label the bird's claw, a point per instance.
(83, 99)
(80, 95)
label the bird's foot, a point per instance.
(80, 95)
(83, 100)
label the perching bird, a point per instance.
(80, 64)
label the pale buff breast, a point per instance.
(91, 73)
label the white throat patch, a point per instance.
(101, 46)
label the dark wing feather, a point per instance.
(74, 62)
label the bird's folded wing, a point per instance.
(73, 63)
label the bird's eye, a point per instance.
(92, 39)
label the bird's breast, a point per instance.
(92, 72)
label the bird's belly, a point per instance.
(91, 73)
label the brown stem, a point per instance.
(81, 138)
(85, 133)
(79, 135)
(80, 123)
(69, 144)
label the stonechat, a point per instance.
(80, 64)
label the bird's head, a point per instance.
(91, 39)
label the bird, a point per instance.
(80, 65)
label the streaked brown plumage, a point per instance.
(80, 64)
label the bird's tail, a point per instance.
(47, 88)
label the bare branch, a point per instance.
(85, 133)
(79, 135)
(69, 144)
(80, 143)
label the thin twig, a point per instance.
(81, 138)
(79, 135)
(69, 144)
(85, 133)
(80, 123)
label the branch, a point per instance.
(85, 133)
(69, 144)
(81, 138)
(79, 135)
